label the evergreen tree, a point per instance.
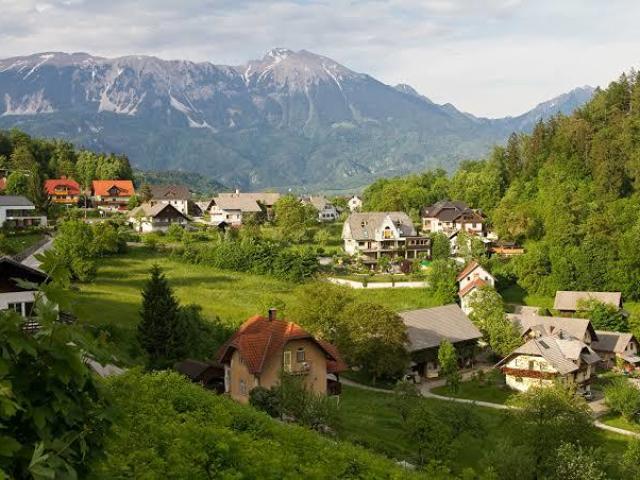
(159, 328)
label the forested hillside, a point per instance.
(570, 191)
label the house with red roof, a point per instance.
(62, 191)
(263, 347)
(112, 193)
(472, 278)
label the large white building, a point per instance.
(448, 217)
(18, 211)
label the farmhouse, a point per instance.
(532, 326)
(262, 347)
(428, 327)
(448, 217)
(547, 358)
(112, 194)
(62, 191)
(617, 347)
(568, 302)
(472, 278)
(372, 235)
(18, 211)
(266, 200)
(156, 217)
(327, 212)
(176, 195)
(231, 210)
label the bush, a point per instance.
(623, 398)
(175, 232)
(265, 400)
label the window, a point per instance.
(519, 379)
(300, 355)
(243, 387)
(286, 361)
(16, 307)
(532, 365)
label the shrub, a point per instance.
(266, 400)
(623, 398)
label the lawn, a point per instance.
(519, 296)
(618, 421)
(18, 242)
(111, 302)
(370, 419)
(474, 390)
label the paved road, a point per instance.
(426, 392)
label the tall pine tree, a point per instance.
(159, 328)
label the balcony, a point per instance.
(298, 368)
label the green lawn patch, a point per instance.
(474, 390)
(615, 420)
(18, 242)
(519, 296)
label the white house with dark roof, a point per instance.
(17, 211)
(569, 301)
(327, 212)
(372, 235)
(156, 217)
(545, 359)
(428, 327)
(176, 195)
(231, 209)
(451, 216)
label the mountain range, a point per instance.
(290, 120)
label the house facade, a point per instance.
(265, 200)
(266, 347)
(545, 359)
(471, 279)
(17, 211)
(617, 348)
(448, 217)
(372, 235)
(354, 204)
(327, 212)
(156, 217)
(112, 194)
(15, 297)
(231, 210)
(176, 195)
(428, 327)
(62, 191)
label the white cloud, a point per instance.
(489, 57)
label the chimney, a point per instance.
(272, 314)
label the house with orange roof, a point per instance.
(62, 191)
(472, 278)
(114, 194)
(264, 347)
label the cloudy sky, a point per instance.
(488, 57)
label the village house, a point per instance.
(17, 211)
(112, 194)
(428, 327)
(231, 210)
(327, 212)
(263, 347)
(372, 235)
(471, 279)
(354, 204)
(448, 217)
(156, 217)
(547, 358)
(266, 200)
(617, 348)
(13, 296)
(62, 191)
(570, 302)
(177, 195)
(531, 326)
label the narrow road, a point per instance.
(426, 392)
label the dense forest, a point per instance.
(569, 191)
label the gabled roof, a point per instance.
(151, 209)
(319, 202)
(266, 198)
(568, 300)
(170, 192)
(612, 342)
(102, 187)
(237, 202)
(563, 354)
(10, 269)
(427, 327)
(364, 225)
(194, 369)
(576, 327)
(471, 266)
(448, 211)
(259, 338)
(52, 184)
(15, 201)
(475, 283)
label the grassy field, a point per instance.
(370, 419)
(517, 295)
(21, 241)
(112, 301)
(474, 390)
